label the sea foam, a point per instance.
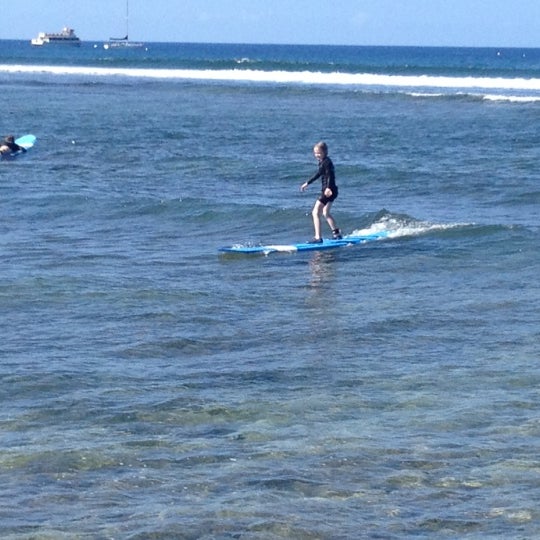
(297, 77)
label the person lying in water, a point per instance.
(9, 146)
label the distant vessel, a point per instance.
(114, 43)
(123, 41)
(65, 37)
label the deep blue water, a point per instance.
(153, 388)
(459, 61)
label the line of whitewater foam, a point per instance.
(295, 77)
(479, 95)
(512, 99)
(403, 226)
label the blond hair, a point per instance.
(321, 145)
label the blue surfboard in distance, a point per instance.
(26, 141)
(305, 246)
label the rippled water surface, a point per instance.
(152, 387)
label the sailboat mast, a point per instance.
(127, 19)
(123, 41)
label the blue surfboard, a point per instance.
(26, 141)
(305, 246)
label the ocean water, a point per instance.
(152, 387)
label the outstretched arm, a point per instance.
(304, 186)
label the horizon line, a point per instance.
(283, 44)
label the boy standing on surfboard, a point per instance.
(329, 193)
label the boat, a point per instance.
(66, 37)
(114, 42)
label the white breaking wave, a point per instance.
(513, 99)
(400, 227)
(295, 77)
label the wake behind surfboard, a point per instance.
(304, 246)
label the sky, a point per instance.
(475, 23)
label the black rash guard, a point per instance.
(328, 179)
(14, 147)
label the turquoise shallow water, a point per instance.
(153, 388)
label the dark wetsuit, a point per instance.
(13, 146)
(328, 179)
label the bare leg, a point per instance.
(329, 217)
(316, 215)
